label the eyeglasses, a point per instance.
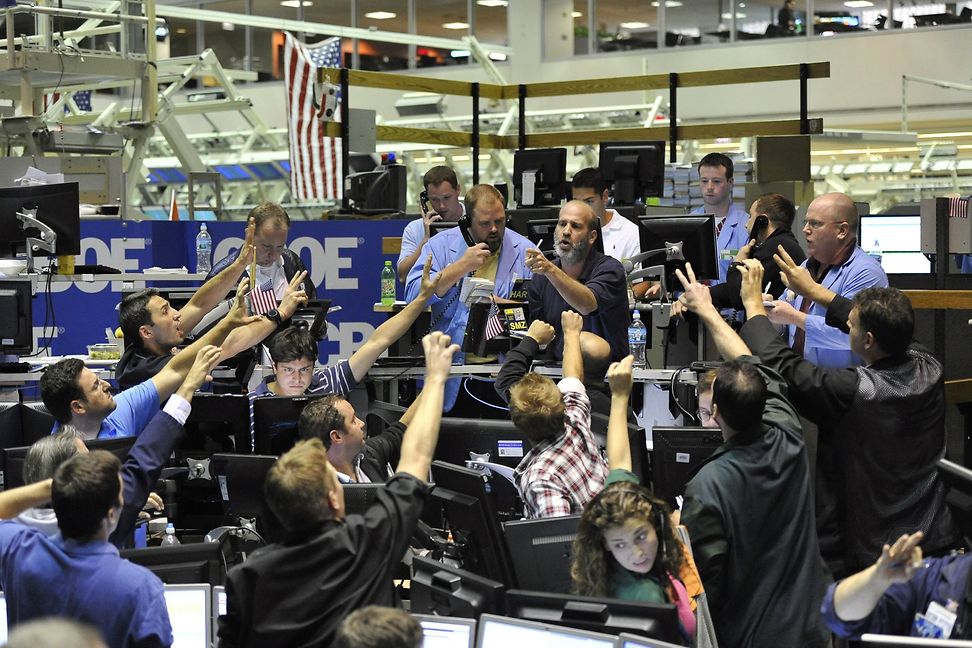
(817, 224)
(703, 414)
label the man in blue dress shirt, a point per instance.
(715, 179)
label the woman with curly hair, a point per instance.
(626, 546)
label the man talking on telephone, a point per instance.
(441, 201)
(481, 247)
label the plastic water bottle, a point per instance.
(170, 536)
(387, 285)
(637, 339)
(204, 248)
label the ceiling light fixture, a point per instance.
(668, 3)
(633, 25)
(456, 25)
(497, 56)
(380, 15)
(858, 4)
(576, 14)
(296, 3)
(728, 16)
(459, 53)
(492, 3)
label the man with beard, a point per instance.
(580, 279)
(497, 256)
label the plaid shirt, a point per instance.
(560, 476)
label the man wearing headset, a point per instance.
(482, 247)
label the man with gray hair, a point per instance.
(141, 468)
(55, 633)
(580, 279)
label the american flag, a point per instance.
(494, 325)
(82, 99)
(315, 160)
(262, 299)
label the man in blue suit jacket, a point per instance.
(497, 255)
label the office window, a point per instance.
(625, 25)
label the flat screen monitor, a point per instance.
(958, 480)
(437, 588)
(636, 170)
(503, 632)
(846, 20)
(610, 616)
(185, 564)
(870, 640)
(441, 226)
(470, 512)
(16, 317)
(57, 207)
(898, 238)
(14, 458)
(219, 609)
(275, 422)
(549, 170)
(190, 615)
(698, 238)
(222, 418)
(446, 632)
(3, 619)
(541, 233)
(518, 219)
(542, 552)
(626, 640)
(378, 191)
(675, 453)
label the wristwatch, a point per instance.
(274, 316)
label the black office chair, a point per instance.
(36, 423)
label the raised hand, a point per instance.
(438, 355)
(541, 332)
(571, 323)
(796, 277)
(696, 296)
(899, 561)
(237, 314)
(427, 289)
(294, 296)
(198, 374)
(619, 376)
(537, 262)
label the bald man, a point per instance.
(580, 279)
(837, 263)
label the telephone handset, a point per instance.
(424, 199)
(464, 223)
(758, 231)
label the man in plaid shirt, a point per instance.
(564, 469)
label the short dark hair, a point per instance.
(85, 488)
(319, 417)
(296, 486)
(888, 315)
(133, 313)
(46, 454)
(777, 208)
(293, 343)
(589, 178)
(740, 394)
(379, 627)
(59, 386)
(269, 212)
(718, 160)
(481, 193)
(439, 174)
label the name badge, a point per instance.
(937, 621)
(728, 255)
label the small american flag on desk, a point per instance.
(262, 298)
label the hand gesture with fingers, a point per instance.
(898, 562)
(438, 355)
(751, 289)
(696, 297)
(198, 374)
(294, 296)
(619, 376)
(237, 314)
(796, 277)
(427, 289)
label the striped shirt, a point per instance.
(333, 379)
(560, 476)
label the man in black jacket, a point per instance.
(770, 219)
(748, 508)
(887, 417)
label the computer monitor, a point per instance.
(446, 632)
(57, 207)
(437, 588)
(897, 239)
(14, 458)
(460, 437)
(626, 640)
(518, 219)
(610, 616)
(190, 614)
(636, 170)
(275, 422)
(541, 233)
(548, 168)
(470, 512)
(223, 419)
(184, 564)
(378, 191)
(958, 480)
(3, 619)
(698, 239)
(675, 453)
(16, 317)
(503, 632)
(542, 552)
